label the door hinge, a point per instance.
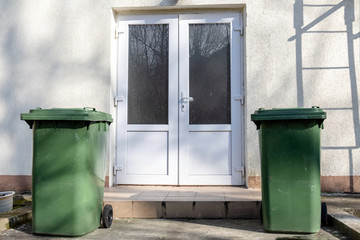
(240, 98)
(118, 99)
(240, 29)
(118, 32)
(117, 168)
(240, 169)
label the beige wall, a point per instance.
(298, 53)
(308, 54)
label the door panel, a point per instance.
(209, 157)
(210, 78)
(147, 149)
(147, 131)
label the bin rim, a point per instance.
(288, 114)
(277, 114)
(65, 114)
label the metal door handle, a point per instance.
(118, 99)
(185, 100)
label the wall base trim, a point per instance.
(254, 182)
(350, 184)
(15, 183)
(19, 183)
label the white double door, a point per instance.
(179, 111)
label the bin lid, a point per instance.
(66, 114)
(288, 114)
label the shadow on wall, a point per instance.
(346, 29)
(50, 56)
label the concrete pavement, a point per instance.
(344, 225)
(180, 229)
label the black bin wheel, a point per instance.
(107, 216)
(324, 217)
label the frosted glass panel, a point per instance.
(148, 74)
(210, 73)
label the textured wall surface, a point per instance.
(311, 58)
(52, 54)
(297, 54)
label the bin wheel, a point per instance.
(324, 216)
(107, 216)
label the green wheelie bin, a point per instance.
(290, 168)
(69, 157)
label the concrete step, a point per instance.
(183, 202)
(185, 209)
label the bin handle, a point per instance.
(89, 108)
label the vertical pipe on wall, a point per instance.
(298, 23)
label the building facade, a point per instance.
(181, 78)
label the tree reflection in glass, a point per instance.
(210, 73)
(148, 74)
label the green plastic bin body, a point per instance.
(290, 168)
(69, 157)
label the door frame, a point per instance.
(113, 167)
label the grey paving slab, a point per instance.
(156, 193)
(239, 197)
(214, 193)
(150, 198)
(180, 198)
(182, 194)
(256, 193)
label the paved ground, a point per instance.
(341, 200)
(179, 229)
(338, 204)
